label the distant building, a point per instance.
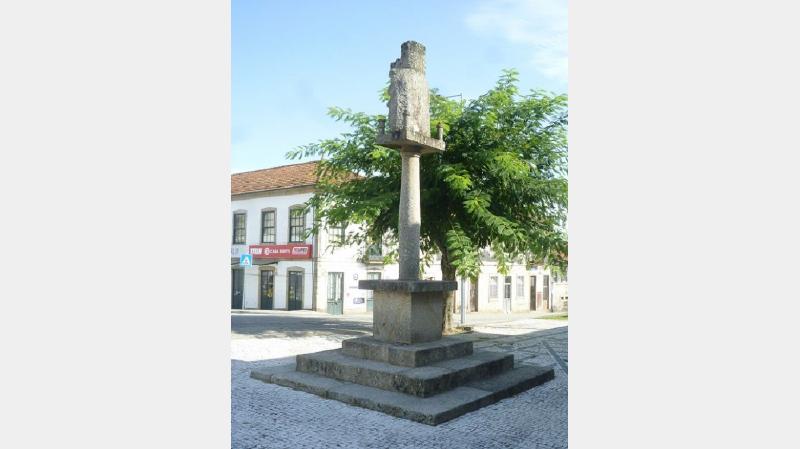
(560, 293)
(290, 272)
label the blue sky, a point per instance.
(292, 60)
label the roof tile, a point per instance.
(283, 177)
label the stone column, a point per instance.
(408, 310)
(410, 218)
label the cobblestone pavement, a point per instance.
(270, 416)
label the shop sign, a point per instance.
(290, 251)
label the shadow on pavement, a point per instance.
(287, 326)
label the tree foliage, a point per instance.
(501, 183)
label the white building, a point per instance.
(521, 289)
(292, 273)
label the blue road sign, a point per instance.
(246, 260)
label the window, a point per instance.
(268, 226)
(520, 286)
(297, 224)
(375, 252)
(239, 228)
(493, 287)
(336, 233)
(507, 288)
(370, 294)
(335, 286)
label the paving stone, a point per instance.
(269, 416)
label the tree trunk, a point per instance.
(448, 274)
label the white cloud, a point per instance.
(540, 25)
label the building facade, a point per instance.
(522, 289)
(292, 271)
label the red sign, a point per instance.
(290, 251)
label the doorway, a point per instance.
(335, 289)
(237, 288)
(267, 290)
(370, 294)
(295, 291)
(533, 292)
(507, 295)
(546, 293)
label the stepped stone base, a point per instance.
(406, 369)
(421, 381)
(431, 410)
(419, 354)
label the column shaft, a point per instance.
(409, 216)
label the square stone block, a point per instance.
(408, 140)
(408, 311)
(407, 317)
(411, 355)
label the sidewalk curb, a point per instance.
(511, 320)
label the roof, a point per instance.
(283, 177)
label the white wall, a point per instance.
(561, 296)
(488, 269)
(252, 280)
(281, 203)
(330, 259)
(347, 260)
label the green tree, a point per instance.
(501, 183)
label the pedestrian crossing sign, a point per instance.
(246, 260)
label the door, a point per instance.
(533, 292)
(507, 295)
(294, 295)
(546, 292)
(335, 297)
(267, 290)
(237, 288)
(371, 276)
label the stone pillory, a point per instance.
(409, 133)
(409, 105)
(408, 92)
(408, 310)
(406, 368)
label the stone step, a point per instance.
(422, 381)
(414, 355)
(432, 410)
